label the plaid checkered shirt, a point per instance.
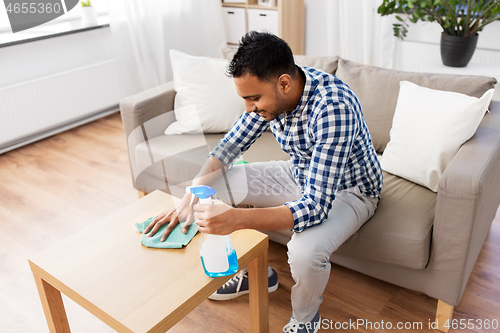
(328, 142)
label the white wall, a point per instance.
(420, 52)
(430, 32)
(318, 29)
(36, 59)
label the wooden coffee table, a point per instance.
(132, 288)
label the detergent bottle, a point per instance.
(217, 252)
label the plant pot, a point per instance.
(456, 51)
(89, 16)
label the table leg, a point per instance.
(259, 296)
(53, 306)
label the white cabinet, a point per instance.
(284, 18)
(235, 23)
(263, 19)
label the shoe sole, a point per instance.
(226, 297)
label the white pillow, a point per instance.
(428, 128)
(206, 99)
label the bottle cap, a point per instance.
(201, 191)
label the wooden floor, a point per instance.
(58, 186)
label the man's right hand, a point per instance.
(183, 211)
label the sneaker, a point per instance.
(238, 286)
(294, 326)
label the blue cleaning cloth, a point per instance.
(176, 240)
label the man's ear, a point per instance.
(285, 83)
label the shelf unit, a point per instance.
(290, 20)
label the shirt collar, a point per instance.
(309, 87)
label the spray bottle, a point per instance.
(217, 252)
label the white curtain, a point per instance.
(144, 31)
(354, 30)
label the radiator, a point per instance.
(44, 106)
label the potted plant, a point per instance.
(89, 14)
(461, 21)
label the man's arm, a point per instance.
(222, 219)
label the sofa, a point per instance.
(418, 239)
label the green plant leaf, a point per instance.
(462, 17)
(404, 32)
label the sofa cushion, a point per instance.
(264, 149)
(326, 64)
(177, 158)
(206, 99)
(378, 89)
(400, 231)
(183, 155)
(428, 128)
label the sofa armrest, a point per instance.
(468, 198)
(138, 109)
(146, 115)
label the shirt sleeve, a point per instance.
(248, 128)
(333, 134)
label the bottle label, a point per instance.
(214, 254)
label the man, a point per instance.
(325, 192)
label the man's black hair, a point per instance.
(263, 55)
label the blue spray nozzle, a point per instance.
(201, 191)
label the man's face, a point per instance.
(261, 97)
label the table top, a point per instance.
(132, 288)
